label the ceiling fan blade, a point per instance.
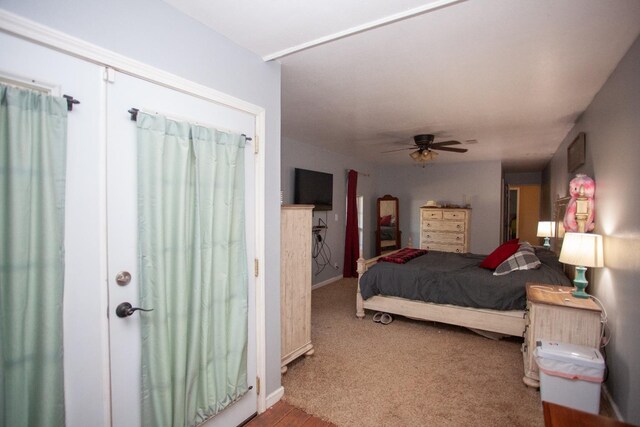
(399, 149)
(440, 144)
(453, 150)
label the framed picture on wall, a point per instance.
(576, 152)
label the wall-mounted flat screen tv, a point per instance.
(314, 188)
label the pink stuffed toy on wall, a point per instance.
(582, 190)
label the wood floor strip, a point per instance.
(271, 416)
(283, 414)
(317, 422)
(295, 418)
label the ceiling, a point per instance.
(512, 75)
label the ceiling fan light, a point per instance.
(428, 155)
(424, 156)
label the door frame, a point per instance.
(62, 42)
(517, 212)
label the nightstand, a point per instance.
(554, 314)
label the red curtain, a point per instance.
(351, 240)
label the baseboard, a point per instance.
(275, 397)
(612, 404)
(326, 282)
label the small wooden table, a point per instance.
(553, 314)
(560, 416)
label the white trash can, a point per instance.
(570, 375)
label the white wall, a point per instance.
(477, 182)
(153, 32)
(299, 155)
(612, 127)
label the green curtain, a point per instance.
(193, 270)
(33, 135)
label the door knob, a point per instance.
(125, 309)
(123, 278)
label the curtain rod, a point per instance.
(71, 101)
(134, 117)
(32, 85)
(359, 173)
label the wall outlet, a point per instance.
(336, 217)
(335, 265)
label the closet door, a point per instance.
(124, 93)
(101, 350)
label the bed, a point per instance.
(470, 310)
(452, 288)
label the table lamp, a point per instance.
(582, 250)
(546, 229)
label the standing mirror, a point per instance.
(388, 231)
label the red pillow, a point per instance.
(502, 252)
(385, 220)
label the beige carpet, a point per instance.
(408, 373)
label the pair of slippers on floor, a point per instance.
(384, 318)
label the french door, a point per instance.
(123, 94)
(84, 321)
(101, 232)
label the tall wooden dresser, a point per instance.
(445, 229)
(295, 282)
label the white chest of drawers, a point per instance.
(295, 282)
(445, 229)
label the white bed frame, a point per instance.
(495, 322)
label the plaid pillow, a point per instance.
(524, 259)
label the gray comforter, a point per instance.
(450, 278)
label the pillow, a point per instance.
(524, 259)
(502, 252)
(385, 220)
(548, 258)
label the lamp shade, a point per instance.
(546, 229)
(582, 249)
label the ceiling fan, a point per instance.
(425, 146)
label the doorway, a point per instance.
(512, 213)
(522, 213)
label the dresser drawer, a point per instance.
(461, 215)
(427, 214)
(435, 225)
(442, 247)
(434, 237)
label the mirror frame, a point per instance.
(398, 233)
